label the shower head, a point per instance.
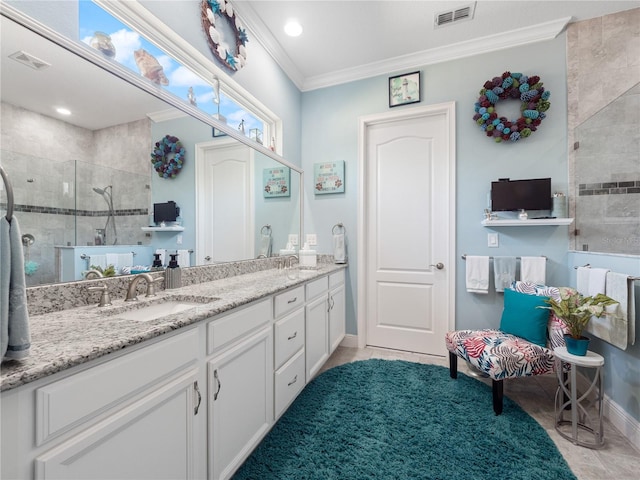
(99, 191)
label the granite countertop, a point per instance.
(61, 340)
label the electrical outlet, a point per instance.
(312, 239)
(179, 239)
(492, 240)
(293, 239)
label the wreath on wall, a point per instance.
(529, 90)
(218, 16)
(168, 157)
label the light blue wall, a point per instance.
(330, 122)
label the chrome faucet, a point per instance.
(290, 260)
(132, 294)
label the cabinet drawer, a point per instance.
(289, 301)
(336, 278)
(289, 382)
(289, 336)
(68, 403)
(224, 331)
(317, 288)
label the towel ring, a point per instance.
(337, 225)
(9, 188)
(267, 227)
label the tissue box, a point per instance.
(307, 258)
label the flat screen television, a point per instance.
(165, 212)
(512, 195)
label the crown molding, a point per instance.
(491, 43)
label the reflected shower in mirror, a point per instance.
(86, 179)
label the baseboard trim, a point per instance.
(628, 426)
(349, 341)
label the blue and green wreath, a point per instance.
(168, 157)
(529, 90)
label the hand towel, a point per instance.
(339, 250)
(184, 258)
(533, 270)
(614, 327)
(125, 260)
(265, 244)
(477, 274)
(98, 261)
(14, 315)
(582, 280)
(112, 259)
(504, 272)
(597, 281)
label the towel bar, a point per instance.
(337, 225)
(84, 256)
(9, 188)
(588, 265)
(464, 257)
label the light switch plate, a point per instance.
(312, 239)
(293, 239)
(492, 240)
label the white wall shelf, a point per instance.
(527, 223)
(172, 228)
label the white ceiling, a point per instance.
(348, 40)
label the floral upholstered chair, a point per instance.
(522, 347)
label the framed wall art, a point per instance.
(404, 89)
(276, 182)
(329, 177)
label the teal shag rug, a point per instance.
(397, 420)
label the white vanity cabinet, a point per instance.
(316, 326)
(135, 416)
(337, 313)
(240, 386)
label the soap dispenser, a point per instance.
(307, 257)
(157, 263)
(173, 275)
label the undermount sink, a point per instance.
(162, 308)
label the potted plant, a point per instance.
(575, 310)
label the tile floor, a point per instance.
(617, 460)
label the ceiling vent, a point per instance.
(29, 60)
(451, 16)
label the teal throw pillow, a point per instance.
(522, 317)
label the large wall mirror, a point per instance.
(84, 185)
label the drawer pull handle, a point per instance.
(295, 379)
(197, 389)
(295, 334)
(215, 375)
(293, 300)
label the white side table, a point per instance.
(586, 414)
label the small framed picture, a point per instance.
(218, 133)
(404, 89)
(276, 182)
(329, 177)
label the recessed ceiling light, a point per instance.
(63, 111)
(293, 28)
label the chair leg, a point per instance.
(453, 365)
(497, 388)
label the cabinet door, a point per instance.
(317, 335)
(152, 438)
(336, 317)
(240, 402)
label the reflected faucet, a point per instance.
(132, 294)
(111, 217)
(290, 259)
(93, 273)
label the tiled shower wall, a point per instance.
(604, 139)
(54, 166)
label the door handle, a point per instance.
(438, 265)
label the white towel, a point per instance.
(582, 279)
(616, 327)
(14, 315)
(339, 250)
(597, 281)
(184, 258)
(265, 245)
(504, 272)
(98, 261)
(533, 270)
(112, 259)
(125, 260)
(477, 274)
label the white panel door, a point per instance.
(224, 203)
(408, 241)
